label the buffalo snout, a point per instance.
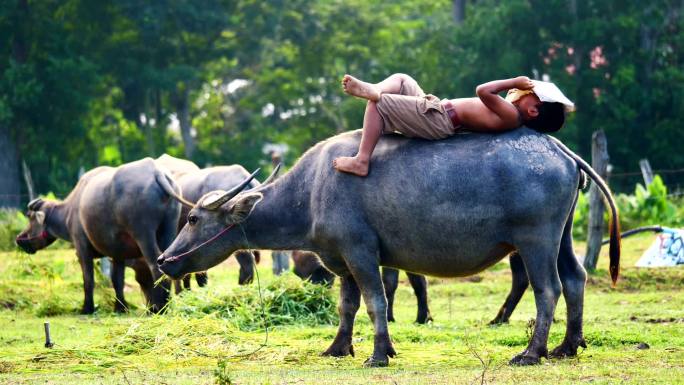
(161, 259)
(25, 244)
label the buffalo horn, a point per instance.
(230, 194)
(273, 175)
(35, 204)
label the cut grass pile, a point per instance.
(285, 300)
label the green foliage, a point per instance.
(648, 206)
(12, 222)
(222, 374)
(285, 300)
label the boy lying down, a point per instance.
(398, 104)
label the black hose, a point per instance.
(655, 229)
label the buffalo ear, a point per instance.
(243, 206)
(40, 217)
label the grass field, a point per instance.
(201, 341)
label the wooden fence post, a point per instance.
(599, 162)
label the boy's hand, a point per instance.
(523, 83)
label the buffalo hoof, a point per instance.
(339, 350)
(246, 278)
(120, 307)
(380, 357)
(376, 362)
(390, 318)
(525, 359)
(88, 309)
(157, 309)
(567, 349)
(497, 322)
(424, 318)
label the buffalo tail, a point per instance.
(614, 226)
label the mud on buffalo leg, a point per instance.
(519, 284)
(86, 254)
(246, 262)
(419, 284)
(350, 300)
(390, 280)
(117, 275)
(540, 257)
(573, 277)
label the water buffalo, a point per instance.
(308, 266)
(194, 185)
(446, 208)
(125, 213)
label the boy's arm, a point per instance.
(488, 93)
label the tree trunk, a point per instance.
(459, 9)
(10, 182)
(183, 111)
(599, 162)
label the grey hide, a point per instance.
(125, 213)
(445, 208)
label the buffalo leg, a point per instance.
(144, 279)
(85, 258)
(573, 277)
(178, 284)
(118, 274)
(201, 279)
(350, 299)
(518, 287)
(160, 291)
(366, 272)
(246, 262)
(419, 284)
(540, 258)
(390, 280)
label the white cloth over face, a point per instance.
(549, 92)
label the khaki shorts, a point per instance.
(414, 114)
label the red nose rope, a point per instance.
(208, 241)
(43, 235)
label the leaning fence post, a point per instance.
(646, 171)
(599, 162)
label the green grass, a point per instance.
(207, 335)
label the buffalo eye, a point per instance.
(192, 220)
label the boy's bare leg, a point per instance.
(372, 129)
(372, 92)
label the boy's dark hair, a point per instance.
(550, 119)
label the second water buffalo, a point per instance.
(126, 213)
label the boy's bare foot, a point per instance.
(356, 87)
(351, 165)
